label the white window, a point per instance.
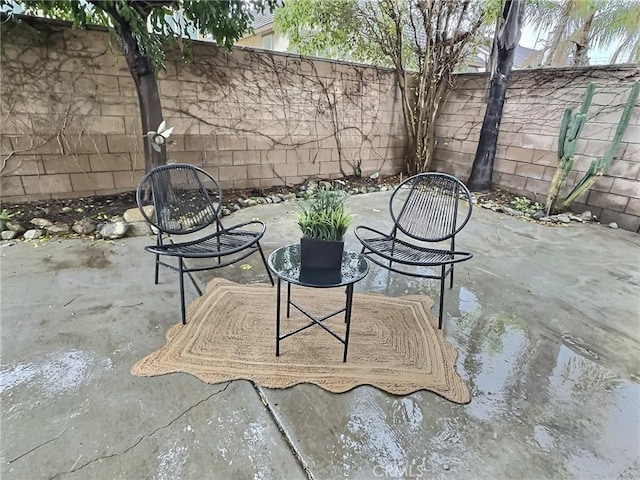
(267, 41)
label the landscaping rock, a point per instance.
(139, 229)
(58, 228)
(276, 199)
(134, 215)
(15, 227)
(613, 225)
(512, 211)
(587, 216)
(562, 218)
(538, 215)
(84, 226)
(41, 222)
(8, 234)
(114, 230)
(33, 234)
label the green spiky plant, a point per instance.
(566, 150)
(598, 167)
(324, 215)
(570, 130)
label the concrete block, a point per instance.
(603, 184)
(11, 186)
(273, 157)
(594, 148)
(23, 165)
(623, 186)
(259, 143)
(66, 164)
(200, 143)
(127, 180)
(260, 171)
(46, 184)
(540, 187)
(512, 182)
(123, 143)
(231, 142)
(537, 142)
(624, 169)
(218, 158)
(246, 157)
(633, 207)
(308, 169)
(608, 201)
(285, 170)
(109, 162)
(519, 154)
(247, 183)
(173, 88)
(530, 170)
(545, 157)
(91, 181)
(624, 220)
(233, 173)
(506, 166)
(271, 182)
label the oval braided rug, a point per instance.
(230, 335)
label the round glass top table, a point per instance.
(284, 262)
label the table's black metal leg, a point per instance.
(278, 319)
(346, 292)
(347, 319)
(288, 299)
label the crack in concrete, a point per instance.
(287, 439)
(105, 457)
(38, 446)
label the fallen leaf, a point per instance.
(246, 266)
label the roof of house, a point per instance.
(262, 19)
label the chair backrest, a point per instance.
(428, 206)
(185, 198)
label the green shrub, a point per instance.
(324, 215)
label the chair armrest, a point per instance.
(369, 229)
(244, 224)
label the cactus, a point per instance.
(570, 129)
(597, 168)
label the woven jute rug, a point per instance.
(230, 334)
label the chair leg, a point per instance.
(181, 272)
(264, 260)
(451, 280)
(440, 313)
(158, 243)
(157, 268)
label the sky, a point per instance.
(530, 36)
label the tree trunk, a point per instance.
(504, 46)
(581, 44)
(143, 74)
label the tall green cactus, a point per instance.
(597, 168)
(570, 130)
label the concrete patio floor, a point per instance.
(546, 322)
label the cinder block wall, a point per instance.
(526, 156)
(71, 123)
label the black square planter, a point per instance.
(318, 254)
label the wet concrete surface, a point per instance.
(546, 322)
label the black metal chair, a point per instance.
(186, 199)
(425, 208)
